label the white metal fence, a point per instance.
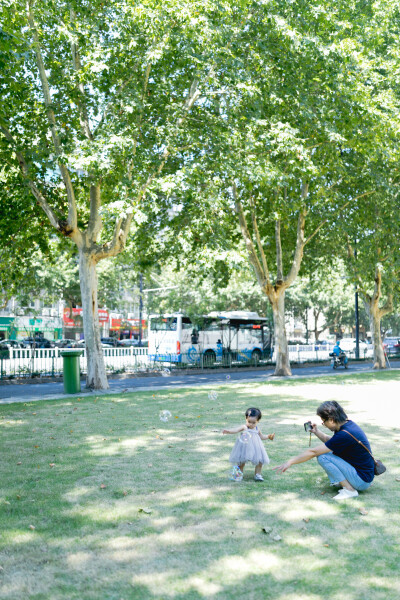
(39, 362)
(42, 362)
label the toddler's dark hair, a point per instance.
(253, 412)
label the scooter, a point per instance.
(339, 361)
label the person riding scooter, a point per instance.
(339, 356)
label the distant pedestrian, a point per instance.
(248, 446)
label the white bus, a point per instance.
(176, 338)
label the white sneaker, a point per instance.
(344, 494)
(258, 477)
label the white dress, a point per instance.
(249, 448)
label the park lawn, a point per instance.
(101, 500)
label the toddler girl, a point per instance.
(248, 446)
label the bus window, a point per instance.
(212, 326)
(186, 323)
(163, 324)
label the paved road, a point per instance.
(19, 392)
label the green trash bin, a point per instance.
(72, 372)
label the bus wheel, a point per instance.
(256, 356)
(209, 358)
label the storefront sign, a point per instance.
(73, 317)
(127, 325)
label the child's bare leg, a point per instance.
(258, 468)
(241, 466)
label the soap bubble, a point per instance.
(236, 474)
(245, 437)
(165, 372)
(165, 415)
(228, 376)
(213, 395)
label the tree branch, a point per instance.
(145, 83)
(193, 95)
(298, 254)
(337, 212)
(95, 222)
(388, 306)
(248, 241)
(33, 187)
(259, 243)
(121, 230)
(278, 245)
(76, 60)
(72, 213)
(109, 105)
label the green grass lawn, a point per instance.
(101, 500)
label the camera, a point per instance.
(308, 426)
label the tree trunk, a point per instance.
(282, 366)
(317, 331)
(374, 314)
(96, 372)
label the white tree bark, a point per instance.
(375, 314)
(96, 372)
(275, 292)
(375, 326)
(282, 366)
(87, 241)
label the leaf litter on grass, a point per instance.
(205, 460)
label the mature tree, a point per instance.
(196, 292)
(289, 115)
(20, 238)
(328, 295)
(374, 262)
(95, 104)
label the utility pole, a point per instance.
(357, 328)
(140, 308)
(356, 310)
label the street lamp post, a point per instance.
(357, 327)
(356, 310)
(140, 308)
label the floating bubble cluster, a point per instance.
(213, 395)
(165, 415)
(245, 437)
(236, 474)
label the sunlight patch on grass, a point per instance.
(106, 511)
(307, 596)
(123, 549)
(78, 494)
(79, 560)
(102, 446)
(235, 569)
(188, 494)
(11, 423)
(289, 507)
(382, 582)
(21, 537)
(156, 581)
(204, 536)
(234, 509)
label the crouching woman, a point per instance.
(347, 464)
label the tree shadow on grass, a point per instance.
(203, 535)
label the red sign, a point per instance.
(127, 325)
(103, 315)
(73, 317)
